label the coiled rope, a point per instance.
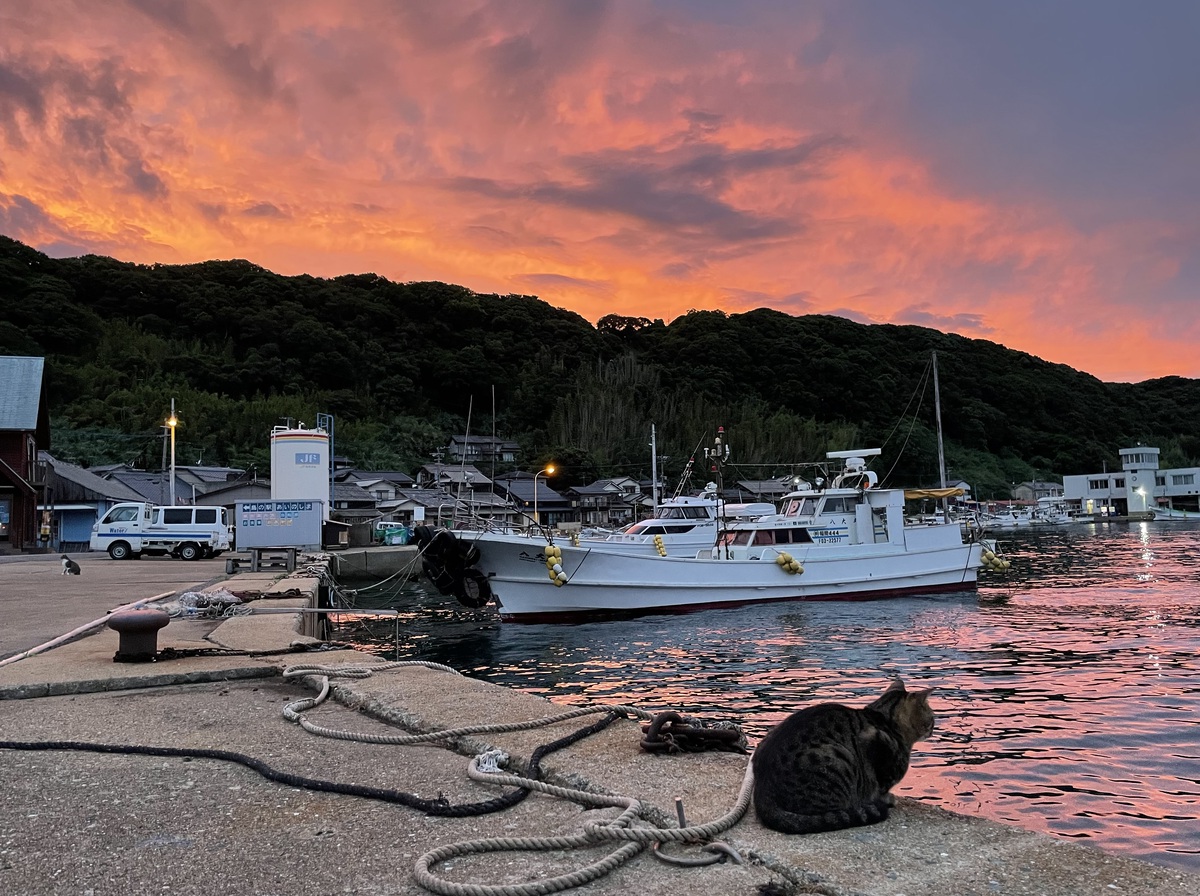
(594, 833)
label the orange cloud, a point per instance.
(607, 158)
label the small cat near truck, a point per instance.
(132, 529)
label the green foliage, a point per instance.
(403, 366)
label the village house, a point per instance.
(608, 503)
(24, 431)
(1032, 490)
(482, 450)
(536, 501)
(74, 499)
(748, 490)
(453, 477)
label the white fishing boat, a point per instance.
(1007, 518)
(1047, 512)
(846, 541)
(1162, 512)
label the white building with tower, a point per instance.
(1138, 489)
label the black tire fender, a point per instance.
(443, 580)
(473, 589)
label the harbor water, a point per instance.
(1066, 690)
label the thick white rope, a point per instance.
(594, 833)
(292, 712)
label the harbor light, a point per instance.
(172, 422)
(549, 471)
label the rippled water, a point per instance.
(1067, 691)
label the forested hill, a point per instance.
(402, 366)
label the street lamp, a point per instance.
(549, 471)
(172, 422)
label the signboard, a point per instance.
(279, 524)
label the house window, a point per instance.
(1183, 479)
(1119, 483)
(1097, 485)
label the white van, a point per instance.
(130, 530)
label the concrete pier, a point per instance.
(108, 823)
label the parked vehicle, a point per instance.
(132, 529)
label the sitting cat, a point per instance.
(829, 766)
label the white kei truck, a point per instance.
(129, 530)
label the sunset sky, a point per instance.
(1022, 172)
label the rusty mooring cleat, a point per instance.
(138, 629)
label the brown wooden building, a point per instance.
(24, 430)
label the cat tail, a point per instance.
(786, 822)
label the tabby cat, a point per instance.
(830, 766)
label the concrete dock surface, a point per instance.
(106, 823)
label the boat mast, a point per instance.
(937, 410)
(653, 466)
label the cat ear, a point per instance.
(896, 685)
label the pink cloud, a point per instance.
(626, 158)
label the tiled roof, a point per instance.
(87, 481)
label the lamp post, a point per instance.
(549, 471)
(172, 422)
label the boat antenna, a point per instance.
(686, 476)
(653, 467)
(717, 456)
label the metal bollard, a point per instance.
(138, 629)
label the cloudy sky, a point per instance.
(1022, 172)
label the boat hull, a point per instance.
(602, 583)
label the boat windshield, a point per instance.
(727, 538)
(683, 513)
(656, 527)
(800, 507)
(839, 505)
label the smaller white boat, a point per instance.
(1051, 512)
(1007, 518)
(1047, 512)
(1171, 513)
(680, 526)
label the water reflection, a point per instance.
(1065, 690)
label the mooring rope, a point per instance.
(594, 833)
(293, 711)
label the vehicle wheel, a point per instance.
(189, 551)
(119, 550)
